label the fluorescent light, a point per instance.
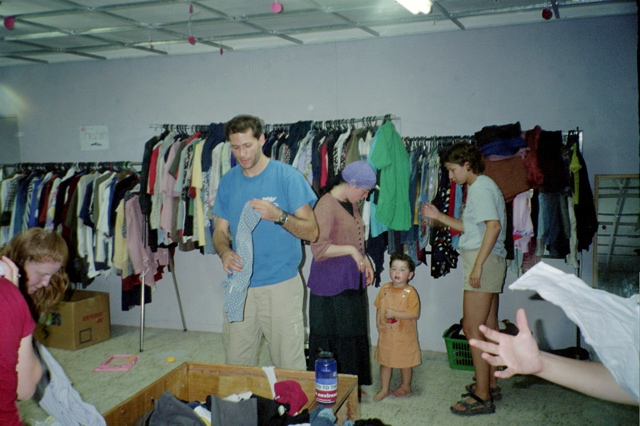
(416, 6)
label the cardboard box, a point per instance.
(81, 320)
(192, 381)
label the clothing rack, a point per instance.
(318, 125)
(369, 121)
(431, 142)
(435, 142)
(437, 139)
(98, 166)
(83, 166)
(442, 141)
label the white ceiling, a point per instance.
(53, 31)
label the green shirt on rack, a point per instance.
(391, 158)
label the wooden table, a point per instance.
(195, 381)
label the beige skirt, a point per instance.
(493, 271)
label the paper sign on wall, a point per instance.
(93, 138)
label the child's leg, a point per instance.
(385, 378)
(405, 386)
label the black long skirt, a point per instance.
(340, 324)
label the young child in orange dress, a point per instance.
(398, 308)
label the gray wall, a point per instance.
(9, 140)
(559, 74)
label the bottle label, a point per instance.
(327, 391)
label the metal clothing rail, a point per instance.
(53, 166)
(434, 142)
(324, 124)
(568, 137)
(432, 139)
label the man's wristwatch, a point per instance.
(283, 218)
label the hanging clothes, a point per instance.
(409, 174)
(391, 159)
(584, 208)
(443, 256)
(85, 204)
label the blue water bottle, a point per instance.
(326, 378)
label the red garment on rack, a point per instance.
(510, 175)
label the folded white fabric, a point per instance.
(609, 323)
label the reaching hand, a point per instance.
(520, 354)
(430, 211)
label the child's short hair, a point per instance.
(405, 258)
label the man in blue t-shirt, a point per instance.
(274, 301)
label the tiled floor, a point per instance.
(526, 401)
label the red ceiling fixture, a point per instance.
(9, 22)
(276, 7)
(191, 39)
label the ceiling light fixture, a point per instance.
(417, 6)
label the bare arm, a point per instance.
(29, 369)
(302, 223)
(403, 315)
(363, 262)
(231, 261)
(520, 354)
(591, 378)
(432, 212)
(489, 239)
(412, 309)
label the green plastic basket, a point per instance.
(458, 352)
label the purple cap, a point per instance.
(360, 174)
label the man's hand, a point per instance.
(231, 261)
(267, 209)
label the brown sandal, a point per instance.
(481, 406)
(496, 393)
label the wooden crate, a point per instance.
(195, 381)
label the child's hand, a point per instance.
(390, 316)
